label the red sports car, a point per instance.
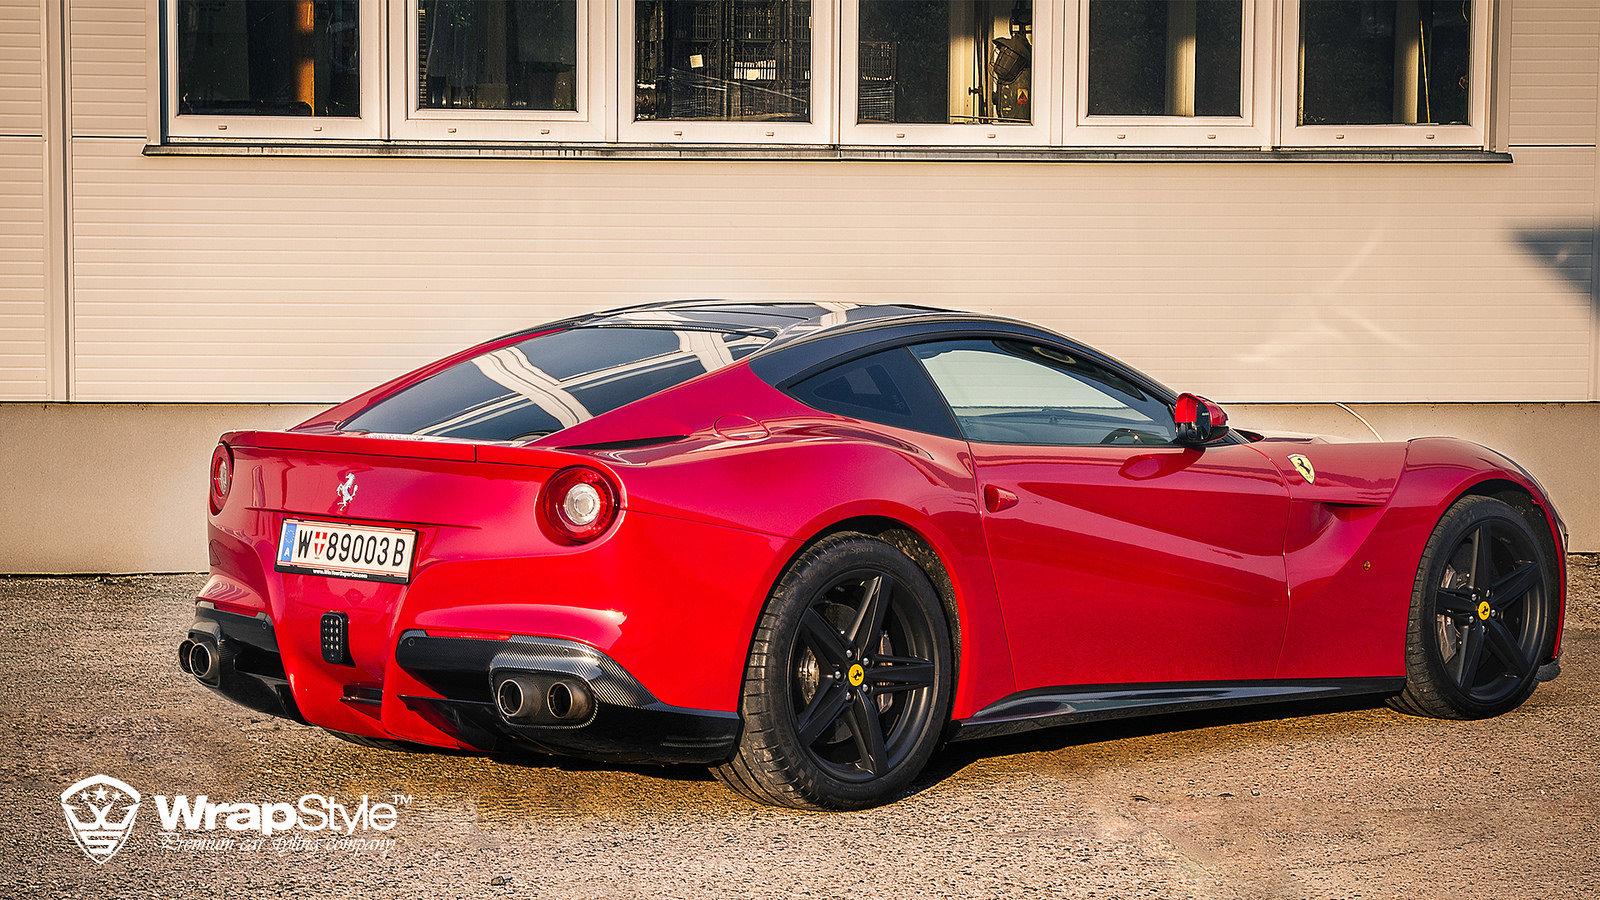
(804, 543)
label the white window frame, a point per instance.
(368, 126)
(1292, 134)
(596, 33)
(1252, 128)
(820, 130)
(1046, 43)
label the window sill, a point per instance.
(796, 152)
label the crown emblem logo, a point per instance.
(100, 812)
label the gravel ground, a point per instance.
(1336, 800)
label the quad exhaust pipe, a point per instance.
(536, 700)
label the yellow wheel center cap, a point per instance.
(1484, 610)
(857, 675)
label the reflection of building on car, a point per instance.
(803, 543)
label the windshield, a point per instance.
(543, 384)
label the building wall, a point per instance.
(113, 487)
(24, 310)
(159, 281)
(306, 279)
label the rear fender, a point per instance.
(792, 472)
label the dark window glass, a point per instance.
(1165, 57)
(938, 62)
(497, 54)
(887, 387)
(723, 60)
(1364, 62)
(1008, 392)
(268, 58)
(546, 383)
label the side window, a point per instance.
(888, 387)
(1008, 392)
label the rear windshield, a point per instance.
(529, 389)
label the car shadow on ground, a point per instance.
(670, 772)
(956, 756)
(952, 758)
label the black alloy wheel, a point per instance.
(1483, 614)
(857, 704)
(848, 685)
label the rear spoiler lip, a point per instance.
(401, 448)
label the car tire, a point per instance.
(848, 684)
(1483, 614)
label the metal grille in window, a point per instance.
(756, 20)
(875, 102)
(695, 96)
(724, 59)
(422, 57)
(706, 22)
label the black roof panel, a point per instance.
(777, 320)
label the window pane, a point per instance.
(727, 60)
(497, 54)
(1165, 57)
(268, 58)
(939, 62)
(1371, 63)
(551, 381)
(887, 387)
(1006, 392)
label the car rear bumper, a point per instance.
(244, 663)
(446, 696)
(627, 723)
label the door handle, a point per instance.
(996, 499)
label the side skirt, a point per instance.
(1049, 707)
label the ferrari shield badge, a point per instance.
(100, 812)
(1304, 467)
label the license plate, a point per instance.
(346, 551)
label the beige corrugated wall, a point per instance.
(241, 278)
(1555, 79)
(24, 315)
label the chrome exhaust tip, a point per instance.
(204, 661)
(516, 697)
(569, 701)
(183, 655)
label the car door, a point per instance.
(1119, 556)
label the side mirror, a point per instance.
(1199, 420)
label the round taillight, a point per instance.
(221, 476)
(579, 504)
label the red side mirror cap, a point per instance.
(1198, 420)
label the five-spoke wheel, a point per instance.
(1482, 615)
(848, 685)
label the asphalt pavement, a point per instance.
(1325, 801)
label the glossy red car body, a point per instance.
(1070, 568)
